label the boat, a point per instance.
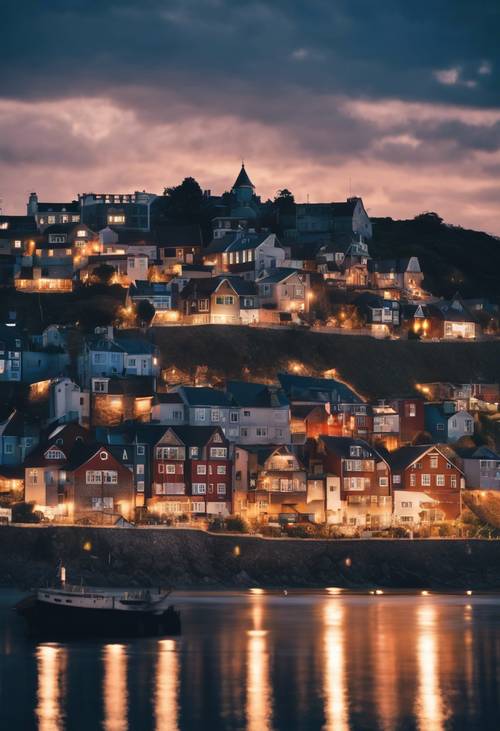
(79, 611)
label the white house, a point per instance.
(411, 508)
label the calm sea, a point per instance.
(262, 661)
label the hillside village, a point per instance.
(98, 424)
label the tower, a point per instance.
(243, 187)
(32, 204)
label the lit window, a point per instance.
(17, 244)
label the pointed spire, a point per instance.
(243, 181)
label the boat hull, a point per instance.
(52, 621)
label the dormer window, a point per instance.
(103, 456)
(355, 451)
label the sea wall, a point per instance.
(184, 558)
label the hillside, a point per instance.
(452, 258)
(376, 368)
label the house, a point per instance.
(192, 472)
(106, 354)
(308, 421)
(427, 468)
(357, 482)
(48, 214)
(244, 254)
(68, 402)
(128, 267)
(411, 418)
(312, 390)
(481, 467)
(403, 275)
(18, 236)
(114, 400)
(327, 220)
(206, 406)
(11, 353)
(219, 301)
(243, 210)
(264, 413)
(386, 425)
(445, 424)
(129, 443)
(128, 210)
(162, 296)
(273, 483)
(169, 408)
(413, 508)
(285, 290)
(177, 246)
(450, 320)
(382, 316)
(19, 435)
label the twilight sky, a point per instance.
(400, 98)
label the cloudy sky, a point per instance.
(396, 101)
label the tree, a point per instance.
(145, 311)
(184, 202)
(284, 201)
(104, 274)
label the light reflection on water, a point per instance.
(262, 661)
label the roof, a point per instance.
(476, 453)
(264, 452)
(345, 208)
(341, 446)
(208, 285)
(71, 207)
(172, 397)
(236, 241)
(320, 390)
(133, 386)
(205, 396)
(279, 275)
(64, 228)
(149, 289)
(243, 212)
(24, 224)
(403, 457)
(135, 345)
(257, 395)
(243, 181)
(302, 411)
(132, 235)
(389, 265)
(192, 436)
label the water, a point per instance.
(265, 661)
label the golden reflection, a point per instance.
(386, 672)
(259, 703)
(167, 687)
(335, 690)
(430, 711)
(115, 688)
(51, 662)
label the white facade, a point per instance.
(460, 424)
(409, 506)
(68, 402)
(265, 425)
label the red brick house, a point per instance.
(192, 472)
(357, 482)
(411, 418)
(428, 469)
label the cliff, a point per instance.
(184, 558)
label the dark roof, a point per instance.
(132, 235)
(191, 436)
(205, 396)
(171, 397)
(389, 265)
(236, 241)
(148, 289)
(342, 446)
(256, 394)
(170, 235)
(72, 207)
(243, 181)
(476, 452)
(279, 275)
(134, 345)
(302, 411)
(64, 228)
(454, 310)
(345, 208)
(321, 390)
(17, 424)
(208, 285)
(24, 224)
(405, 456)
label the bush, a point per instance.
(236, 524)
(24, 513)
(216, 524)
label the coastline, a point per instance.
(185, 558)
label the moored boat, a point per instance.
(79, 611)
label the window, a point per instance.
(99, 357)
(17, 244)
(81, 233)
(116, 218)
(355, 451)
(440, 427)
(199, 414)
(110, 477)
(193, 451)
(215, 415)
(244, 432)
(234, 417)
(199, 488)
(52, 453)
(406, 504)
(93, 477)
(140, 485)
(261, 431)
(161, 469)
(170, 469)
(383, 481)
(100, 386)
(169, 453)
(440, 481)
(203, 305)
(413, 480)
(425, 480)
(103, 456)
(453, 481)
(221, 488)
(140, 449)
(197, 507)
(177, 415)
(102, 503)
(9, 449)
(139, 469)
(221, 469)
(201, 469)
(397, 479)
(226, 300)
(218, 452)
(434, 461)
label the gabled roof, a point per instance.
(204, 396)
(132, 235)
(256, 394)
(279, 275)
(190, 436)
(243, 181)
(206, 286)
(403, 457)
(264, 452)
(398, 266)
(172, 397)
(236, 241)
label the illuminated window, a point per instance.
(120, 218)
(17, 244)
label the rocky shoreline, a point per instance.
(194, 559)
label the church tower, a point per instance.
(243, 187)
